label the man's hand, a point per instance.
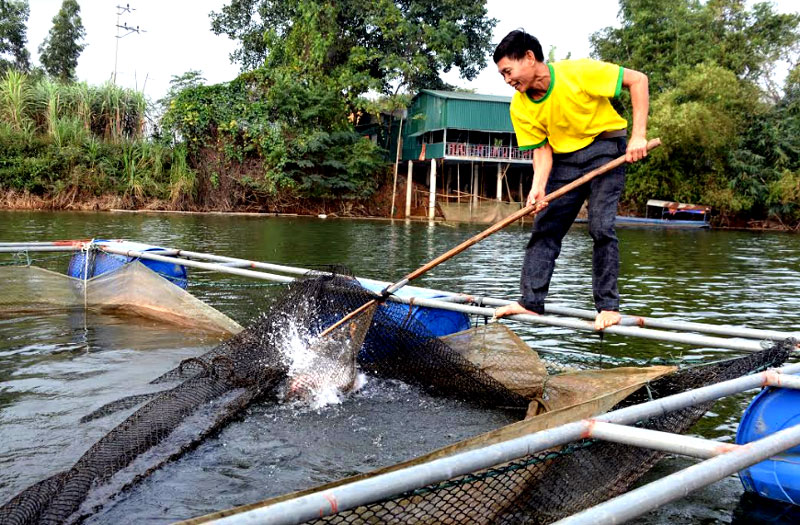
(535, 197)
(637, 149)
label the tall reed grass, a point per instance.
(15, 99)
(109, 112)
(53, 135)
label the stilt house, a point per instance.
(461, 158)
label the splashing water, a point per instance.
(320, 369)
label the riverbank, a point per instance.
(376, 208)
(74, 200)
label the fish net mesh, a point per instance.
(252, 365)
(550, 485)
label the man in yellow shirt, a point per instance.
(563, 113)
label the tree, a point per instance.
(385, 45)
(658, 36)
(728, 134)
(13, 17)
(60, 50)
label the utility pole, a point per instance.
(121, 10)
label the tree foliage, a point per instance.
(384, 45)
(306, 66)
(730, 137)
(13, 20)
(60, 50)
(658, 36)
(293, 135)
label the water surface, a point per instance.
(54, 368)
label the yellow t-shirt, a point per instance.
(575, 109)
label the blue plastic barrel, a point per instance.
(101, 262)
(438, 322)
(777, 478)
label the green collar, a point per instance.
(549, 88)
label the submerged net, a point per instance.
(130, 288)
(253, 365)
(547, 486)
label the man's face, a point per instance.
(517, 73)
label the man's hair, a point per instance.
(516, 44)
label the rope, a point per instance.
(86, 250)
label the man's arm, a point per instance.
(542, 164)
(636, 83)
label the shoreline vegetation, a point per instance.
(78, 147)
(13, 201)
(283, 136)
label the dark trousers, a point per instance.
(554, 221)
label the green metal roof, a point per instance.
(464, 95)
(433, 110)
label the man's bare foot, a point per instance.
(511, 309)
(606, 318)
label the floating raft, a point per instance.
(613, 427)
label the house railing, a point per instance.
(462, 149)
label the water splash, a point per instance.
(320, 370)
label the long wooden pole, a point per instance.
(487, 232)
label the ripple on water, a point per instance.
(58, 367)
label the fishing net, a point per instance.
(257, 364)
(550, 485)
(253, 365)
(130, 288)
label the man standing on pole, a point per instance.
(563, 113)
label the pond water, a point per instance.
(55, 368)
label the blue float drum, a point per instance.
(777, 478)
(101, 262)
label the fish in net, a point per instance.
(253, 366)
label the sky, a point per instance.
(176, 37)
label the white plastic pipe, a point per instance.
(680, 484)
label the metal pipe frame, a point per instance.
(656, 440)
(650, 322)
(679, 484)
(195, 264)
(783, 381)
(49, 248)
(366, 491)
(692, 339)
(750, 333)
(745, 345)
(75, 242)
(451, 302)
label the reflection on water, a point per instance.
(57, 367)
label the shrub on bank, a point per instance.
(251, 142)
